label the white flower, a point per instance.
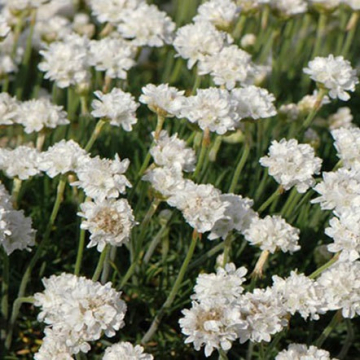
(201, 205)
(302, 352)
(167, 181)
(341, 283)
(347, 144)
(117, 106)
(292, 164)
(36, 114)
(4, 27)
(237, 216)
(112, 10)
(211, 109)
(126, 351)
(62, 157)
(113, 55)
(66, 61)
(353, 4)
(211, 323)
(169, 151)
(229, 66)
(225, 286)
(22, 162)
(162, 99)
(103, 178)
(263, 313)
(345, 232)
(8, 108)
(16, 232)
(288, 8)
(53, 347)
(108, 221)
(339, 190)
(9, 62)
(80, 309)
(273, 233)
(299, 293)
(253, 102)
(341, 119)
(221, 13)
(195, 41)
(147, 26)
(334, 74)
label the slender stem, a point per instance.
(239, 167)
(154, 243)
(95, 134)
(100, 264)
(327, 331)
(80, 252)
(15, 192)
(322, 268)
(258, 269)
(156, 322)
(315, 109)
(107, 265)
(227, 247)
(159, 125)
(290, 203)
(204, 147)
(222, 354)
(351, 29)
(348, 341)
(319, 34)
(269, 201)
(27, 275)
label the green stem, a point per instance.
(239, 167)
(156, 322)
(100, 264)
(107, 266)
(351, 29)
(290, 203)
(27, 275)
(222, 354)
(269, 201)
(95, 134)
(315, 109)
(80, 252)
(15, 191)
(322, 268)
(159, 125)
(319, 34)
(327, 331)
(227, 248)
(204, 147)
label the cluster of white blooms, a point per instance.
(287, 8)
(163, 99)
(237, 216)
(341, 119)
(117, 106)
(221, 313)
(272, 233)
(196, 41)
(146, 26)
(21, 162)
(301, 294)
(342, 288)
(36, 114)
(8, 109)
(61, 158)
(126, 351)
(172, 151)
(211, 109)
(221, 13)
(201, 205)
(229, 66)
(334, 74)
(108, 221)
(66, 62)
(253, 102)
(292, 164)
(16, 232)
(102, 178)
(113, 55)
(339, 191)
(302, 352)
(78, 311)
(347, 144)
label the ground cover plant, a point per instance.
(179, 179)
